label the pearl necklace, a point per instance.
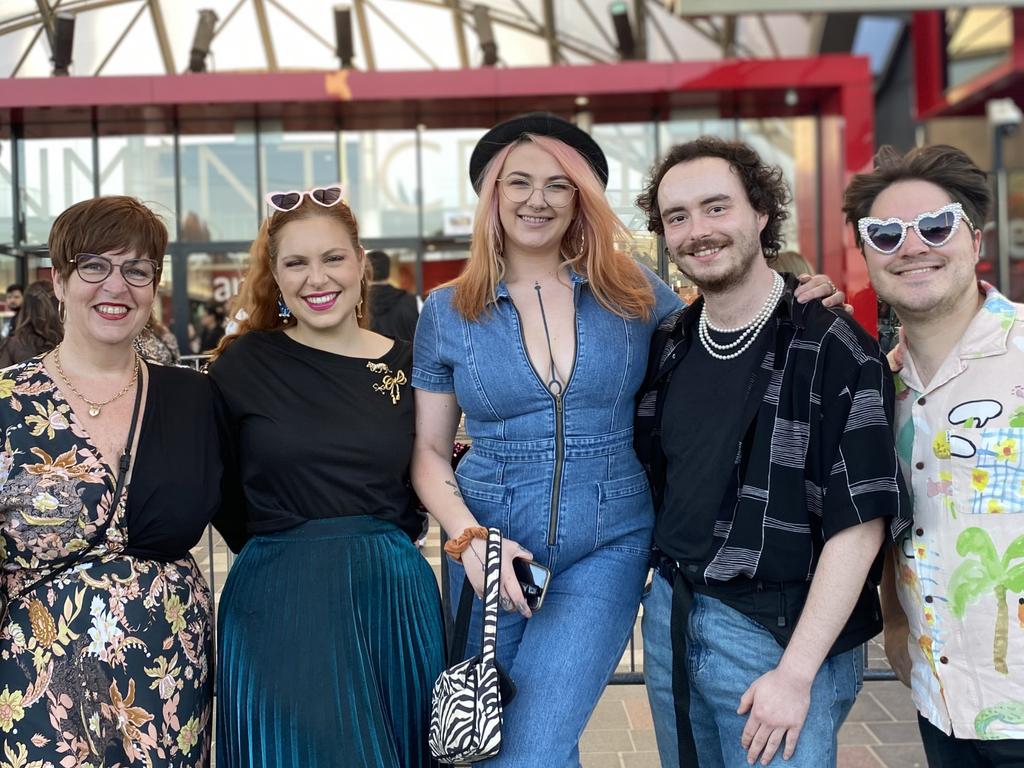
(750, 330)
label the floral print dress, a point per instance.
(108, 664)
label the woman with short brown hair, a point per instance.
(110, 473)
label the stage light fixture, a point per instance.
(345, 50)
(485, 34)
(63, 42)
(623, 30)
(203, 39)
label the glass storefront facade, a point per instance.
(409, 188)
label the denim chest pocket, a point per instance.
(984, 469)
(625, 517)
(490, 503)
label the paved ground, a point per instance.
(881, 731)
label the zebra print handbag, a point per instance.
(465, 722)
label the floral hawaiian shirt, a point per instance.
(960, 577)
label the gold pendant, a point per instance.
(94, 410)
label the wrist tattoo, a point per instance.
(455, 488)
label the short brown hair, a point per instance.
(942, 165)
(109, 223)
(764, 184)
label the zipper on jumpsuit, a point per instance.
(556, 483)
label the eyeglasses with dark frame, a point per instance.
(93, 268)
(518, 189)
(935, 228)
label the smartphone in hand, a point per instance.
(533, 579)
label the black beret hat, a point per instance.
(543, 124)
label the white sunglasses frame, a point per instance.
(955, 208)
(267, 198)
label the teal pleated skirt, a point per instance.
(329, 639)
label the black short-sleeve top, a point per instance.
(317, 434)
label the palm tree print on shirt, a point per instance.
(983, 572)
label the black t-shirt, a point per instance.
(316, 434)
(701, 432)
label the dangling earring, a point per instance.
(62, 311)
(359, 310)
(282, 309)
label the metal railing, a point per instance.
(632, 675)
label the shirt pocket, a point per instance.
(986, 469)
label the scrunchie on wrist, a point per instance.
(455, 547)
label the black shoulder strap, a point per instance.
(460, 636)
(123, 465)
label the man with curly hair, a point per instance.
(765, 428)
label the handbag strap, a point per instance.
(123, 465)
(492, 588)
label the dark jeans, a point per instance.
(949, 752)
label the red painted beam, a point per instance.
(594, 80)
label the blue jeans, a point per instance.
(946, 751)
(726, 652)
(657, 632)
(562, 658)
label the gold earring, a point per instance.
(359, 310)
(62, 311)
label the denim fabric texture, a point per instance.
(726, 652)
(656, 625)
(560, 476)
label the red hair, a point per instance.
(589, 247)
(259, 294)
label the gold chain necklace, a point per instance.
(94, 408)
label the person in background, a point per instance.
(39, 326)
(111, 473)
(15, 294)
(330, 635)
(211, 327)
(951, 585)
(393, 312)
(156, 344)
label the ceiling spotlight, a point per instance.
(201, 42)
(623, 30)
(485, 34)
(791, 97)
(63, 42)
(345, 50)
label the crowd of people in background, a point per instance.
(738, 465)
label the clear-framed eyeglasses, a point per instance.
(518, 189)
(93, 268)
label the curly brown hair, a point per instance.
(940, 164)
(764, 184)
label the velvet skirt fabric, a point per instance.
(329, 640)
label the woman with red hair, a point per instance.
(329, 627)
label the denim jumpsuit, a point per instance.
(560, 476)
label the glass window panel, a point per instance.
(379, 170)
(143, 167)
(218, 186)
(56, 173)
(448, 196)
(630, 150)
(8, 274)
(6, 190)
(296, 160)
(213, 281)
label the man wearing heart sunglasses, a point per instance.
(959, 372)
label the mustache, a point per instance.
(691, 247)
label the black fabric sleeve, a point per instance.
(231, 519)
